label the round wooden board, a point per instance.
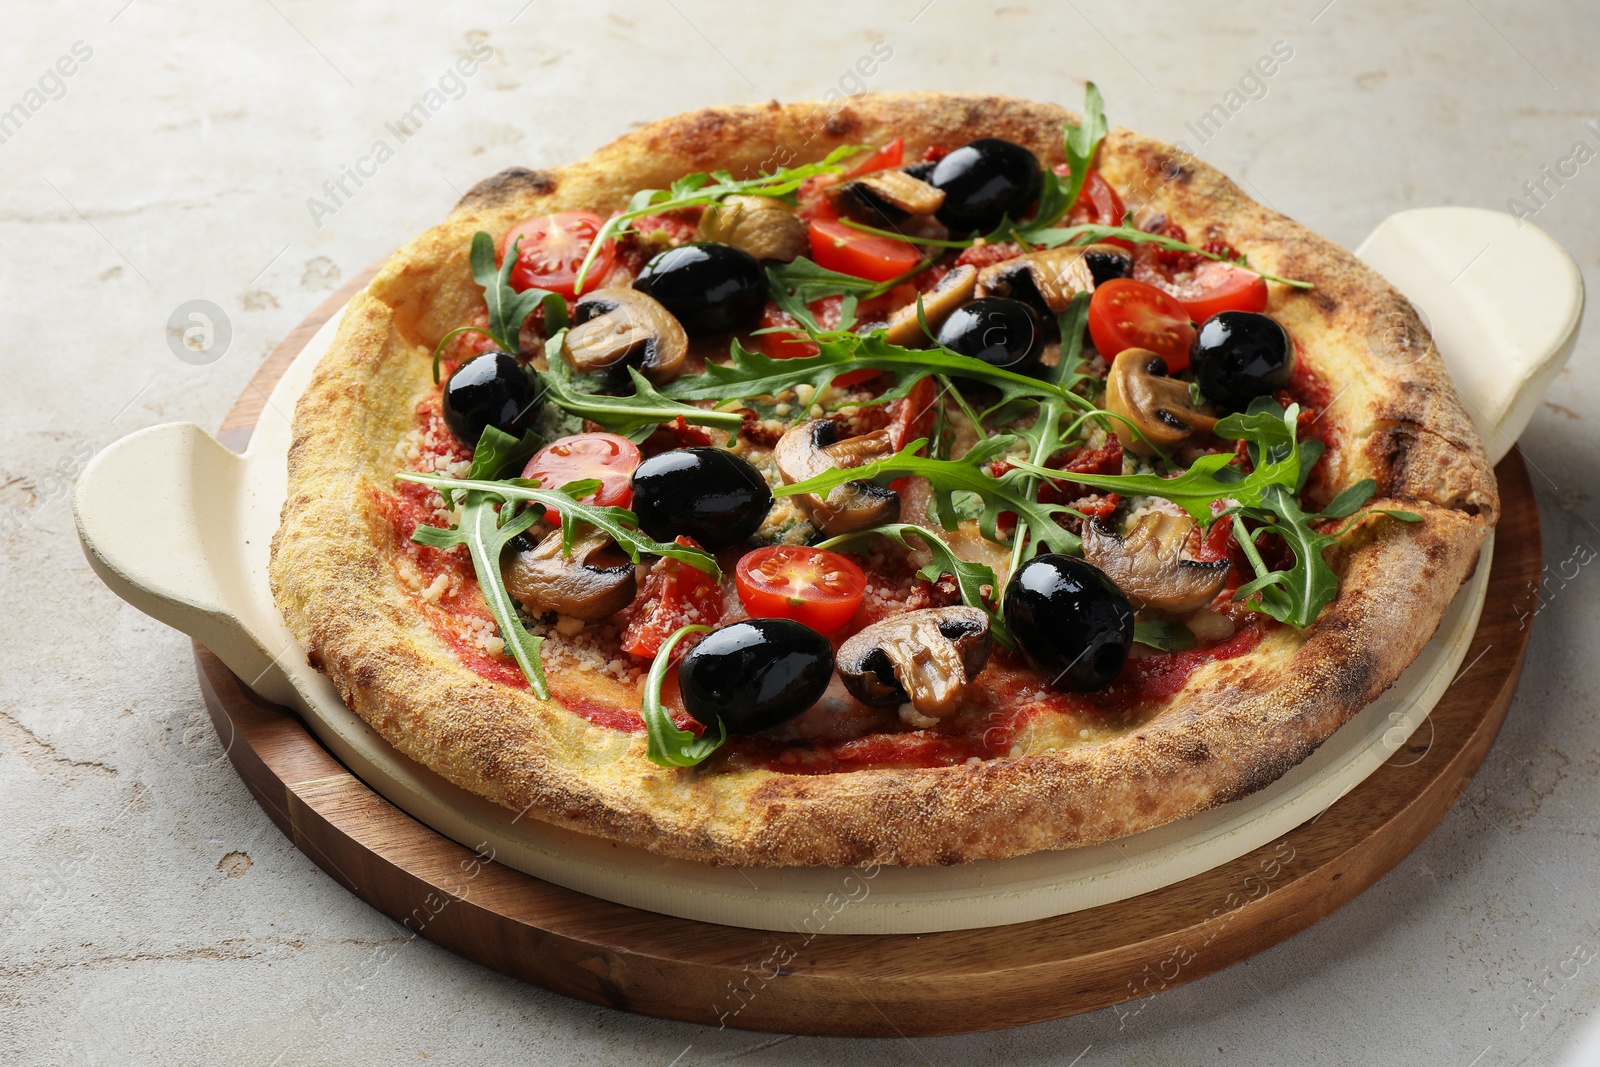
(882, 985)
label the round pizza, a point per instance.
(915, 479)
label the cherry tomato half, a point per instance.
(605, 456)
(674, 593)
(838, 247)
(551, 248)
(1097, 205)
(813, 586)
(1124, 313)
(1216, 286)
(890, 155)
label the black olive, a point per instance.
(710, 494)
(1073, 623)
(983, 180)
(754, 675)
(490, 390)
(996, 329)
(1240, 355)
(921, 171)
(711, 288)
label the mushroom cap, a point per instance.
(927, 658)
(1048, 279)
(954, 289)
(1149, 566)
(763, 226)
(885, 197)
(813, 447)
(1138, 389)
(617, 326)
(543, 579)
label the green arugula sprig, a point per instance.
(1298, 595)
(634, 417)
(1008, 492)
(1089, 233)
(754, 374)
(1044, 435)
(971, 578)
(620, 523)
(1277, 456)
(666, 744)
(1057, 197)
(490, 518)
(508, 309)
(1167, 636)
(795, 284)
(481, 530)
(699, 189)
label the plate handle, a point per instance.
(1502, 299)
(157, 517)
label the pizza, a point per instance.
(915, 479)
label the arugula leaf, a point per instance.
(1008, 492)
(1269, 433)
(970, 577)
(508, 309)
(696, 190)
(1349, 502)
(481, 531)
(634, 417)
(754, 374)
(1044, 435)
(1167, 636)
(668, 746)
(1082, 141)
(794, 285)
(1089, 233)
(620, 523)
(1298, 595)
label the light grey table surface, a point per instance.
(149, 912)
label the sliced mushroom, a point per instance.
(1108, 261)
(1149, 566)
(595, 581)
(612, 328)
(813, 447)
(953, 290)
(763, 226)
(885, 197)
(1160, 407)
(926, 657)
(1048, 280)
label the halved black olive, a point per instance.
(710, 288)
(996, 329)
(753, 675)
(705, 493)
(1072, 622)
(1240, 355)
(490, 390)
(984, 180)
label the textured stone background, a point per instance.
(149, 913)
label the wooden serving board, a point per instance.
(874, 985)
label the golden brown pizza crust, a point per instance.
(1240, 723)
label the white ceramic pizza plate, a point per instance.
(1504, 301)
